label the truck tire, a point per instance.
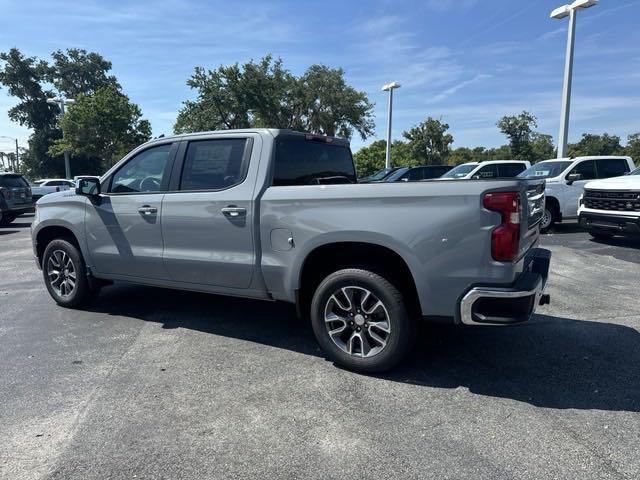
(65, 276)
(360, 321)
(6, 219)
(548, 219)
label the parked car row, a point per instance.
(40, 188)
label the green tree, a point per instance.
(265, 94)
(372, 158)
(429, 142)
(591, 144)
(542, 147)
(102, 126)
(519, 131)
(633, 147)
(73, 73)
(78, 72)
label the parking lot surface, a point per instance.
(151, 383)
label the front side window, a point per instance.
(213, 164)
(302, 161)
(613, 167)
(545, 169)
(460, 171)
(586, 170)
(143, 173)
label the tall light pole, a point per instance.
(16, 166)
(61, 102)
(389, 87)
(560, 13)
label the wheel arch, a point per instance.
(330, 257)
(46, 234)
(554, 205)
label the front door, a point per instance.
(123, 228)
(207, 216)
(587, 172)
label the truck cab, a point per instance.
(488, 169)
(566, 178)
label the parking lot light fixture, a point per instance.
(389, 87)
(558, 14)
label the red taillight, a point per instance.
(6, 193)
(505, 239)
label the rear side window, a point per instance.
(509, 170)
(300, 161)
(614, 167)
(586, 170)
(13, 181)
(214, 164)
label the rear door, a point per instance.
(612, 167)
(207, 216)
(123, 229)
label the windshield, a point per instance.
(460, 171)
(395, 175)
(545, 169)
(380, 174)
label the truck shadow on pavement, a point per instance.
(550, 362)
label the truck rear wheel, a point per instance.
(360, 320)
(548, 219)
(65, 276)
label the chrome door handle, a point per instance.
(147, 210)
(234, 212)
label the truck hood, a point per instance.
(628, 182)
(56, 197)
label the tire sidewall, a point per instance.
(399, 338)
(548, 211)
(82, 287)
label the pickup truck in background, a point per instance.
(279, 215)
(612, 207)
(488, 169)
(40, 188)
(566, 178)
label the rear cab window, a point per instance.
(13, 181)
(312, 160)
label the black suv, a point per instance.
(15, 197)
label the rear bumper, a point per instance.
(509, 304)
(610, 223)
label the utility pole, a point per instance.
(61, 102)
(389, 87)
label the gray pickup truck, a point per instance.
(279, 215)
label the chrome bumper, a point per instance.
(515, 303)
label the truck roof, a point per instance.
(274, 132)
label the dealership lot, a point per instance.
(150, 383)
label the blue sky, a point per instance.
(466, 61)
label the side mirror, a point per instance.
(573, 177)
(89, 187)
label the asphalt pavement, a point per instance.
(152, 383)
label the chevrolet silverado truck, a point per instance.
(278, 215)
(612, 207)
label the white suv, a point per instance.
(612, 207)
(489, 169)
(566, 178)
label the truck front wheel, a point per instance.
(65, 274)
(360, 320)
